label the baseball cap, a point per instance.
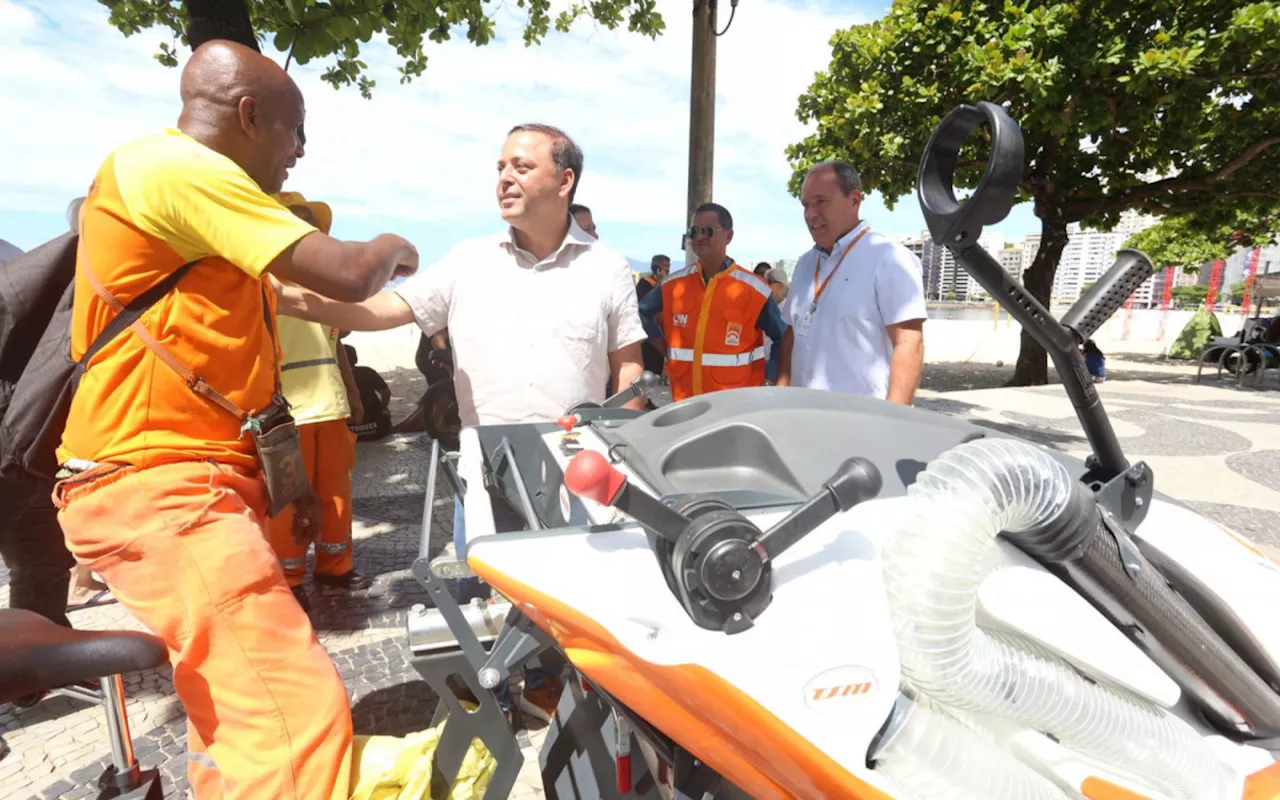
(321, 211)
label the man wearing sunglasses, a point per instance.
(713, 316)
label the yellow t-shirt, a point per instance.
(156, 204)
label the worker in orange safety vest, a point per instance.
(713, 316)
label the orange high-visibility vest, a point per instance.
(712, 339)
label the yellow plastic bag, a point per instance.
(396, 768)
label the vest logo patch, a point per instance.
(733, 334)
(680, 320)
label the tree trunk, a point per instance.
(219, 19)
(1033, 362)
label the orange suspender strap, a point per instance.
(193, 381)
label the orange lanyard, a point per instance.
(817, 269)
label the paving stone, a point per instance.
(65, 739)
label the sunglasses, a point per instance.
(700, 230)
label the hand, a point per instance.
(406, 260)
(308, 519)
(357, 410)
(397, 249)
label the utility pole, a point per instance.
(702, 110)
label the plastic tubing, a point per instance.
(934, 756)
(932, 570)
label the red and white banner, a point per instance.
(1215, 282)
(1166, 298)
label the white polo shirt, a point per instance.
(530, 338)
(845, 346)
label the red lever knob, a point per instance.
(567, 422)
(590, 475)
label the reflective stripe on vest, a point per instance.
(752, 280)
(717, 359)
(712, 327)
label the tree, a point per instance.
(1190, 295)
(314, 29)
(1187, 242)
(1178, 242)
(1164, 107)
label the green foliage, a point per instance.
(1108, 95)
(1189, 242)
(1169, 108)
(314, 29)
(1190, 295)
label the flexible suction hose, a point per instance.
(933, 567)
(935, 756)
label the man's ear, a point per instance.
(568, 180)
(250, 113)
(728, 236)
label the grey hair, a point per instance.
(564, 151)
(847, 177)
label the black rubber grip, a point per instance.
(1169, 630)
(1130, 270)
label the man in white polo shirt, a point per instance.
(540, 317)
(855, 309)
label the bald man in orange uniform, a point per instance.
(162, 490)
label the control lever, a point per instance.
(590, 475)
(1104, 298)
(721, 563)
(638, 387)
(855, 481)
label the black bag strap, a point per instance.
(134, 309)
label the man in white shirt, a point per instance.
(855, 309)
(540, 317)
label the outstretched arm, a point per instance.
(382, 311)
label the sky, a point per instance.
(419, 160)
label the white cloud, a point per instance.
(424, 153)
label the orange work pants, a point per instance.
(329, 455)
(182, 548)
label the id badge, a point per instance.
(802, 324)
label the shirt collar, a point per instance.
(728, 265)
(843, 241)
(576, 237)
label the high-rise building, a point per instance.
(993, 243)
(1030, 246)
(1011, 260)
(1090, 253)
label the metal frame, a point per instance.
(577, 757)
(486, 722)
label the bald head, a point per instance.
(242, 104)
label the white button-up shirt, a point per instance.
(531, 338)
(845, 347)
